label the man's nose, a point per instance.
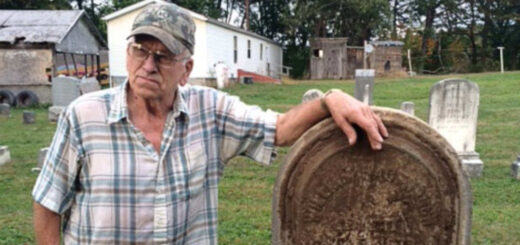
(149, 64)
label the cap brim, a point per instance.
(174, 45)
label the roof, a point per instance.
(42, 26)
(195, 15)
(387, 43)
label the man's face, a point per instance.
(149, 77)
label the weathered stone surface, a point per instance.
(29, 117)
(41, 156)
(55, 113)
(5, 109)
(65, 90)
(364, 86)
(5, 155)
(515, 168)
(413, 191)
(311, 94)
(88, 85)
(453, 112)
(408, 107)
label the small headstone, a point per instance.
(5, 155)
(365, 85)
(5, 109)
(88, 85)
(414, 191)
(65, 90)
(41, 156)
(29, 117)
(453, 113)
(311, 94)
(408, 107)
(55, 112)
(515, 168)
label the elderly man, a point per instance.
(141, 163)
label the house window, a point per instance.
(249, 49)
(261, 51)
(235, 51)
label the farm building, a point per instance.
(31, 41)
(243, 52)
(332, 58)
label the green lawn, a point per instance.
(246, 189)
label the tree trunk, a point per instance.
(427, 34)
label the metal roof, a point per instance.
(201, 17)
(387, 43)
(41, 26)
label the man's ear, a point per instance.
(189, 67)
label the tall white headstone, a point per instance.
(365, 85)
(453, 112)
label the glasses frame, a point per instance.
(157, 55)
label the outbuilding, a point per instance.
(216, 44)
(31, 42)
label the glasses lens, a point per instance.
(164, 59)
(139, 52)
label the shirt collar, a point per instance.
(119, 107)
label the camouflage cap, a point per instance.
(169, 23)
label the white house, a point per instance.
(214, 42)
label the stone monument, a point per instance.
(65, 90)
(364, 85)
(88, 85)
(515, 168)
(5, 155)
(311, 94)
(408, 107)
(413, 191)
(5, 109)
(41, 156)
(453, 112)
(55, 113)
(29, 117)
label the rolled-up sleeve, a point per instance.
(246, 130)
(54, 188)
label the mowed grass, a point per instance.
(246, 187)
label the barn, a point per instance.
(241, 51)
(31, 43)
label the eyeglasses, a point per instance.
(161, 58)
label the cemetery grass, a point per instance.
(245, 191)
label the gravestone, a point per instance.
(5, 155)
(88, 85)
(41, 156)
(453, 112)
(29, 117)
(408, 107)
(515, 168)
(55, 113)
(65, 90)
(413, 191)
(364, 85)
(5, 110)
(311, 94)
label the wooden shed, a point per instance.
(332, 58)
(31, 41)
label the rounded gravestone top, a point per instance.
(413, 191)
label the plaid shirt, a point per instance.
(112, 186)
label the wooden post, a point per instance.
(409, 62)
(501, 59)
(365, 55)
(66, 63)
(75, 67)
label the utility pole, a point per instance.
(501, 59)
